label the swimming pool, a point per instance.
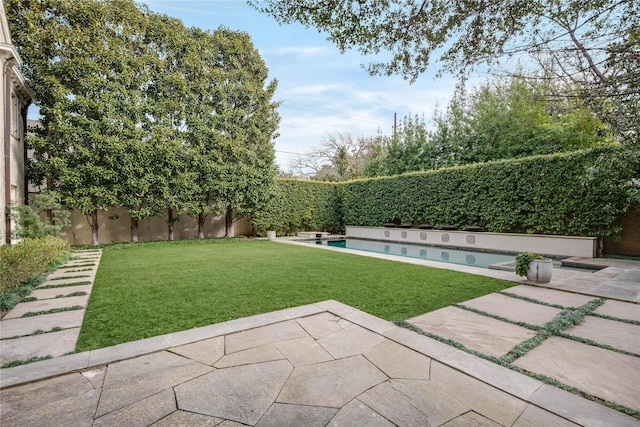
(432, 253)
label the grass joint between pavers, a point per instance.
(53, 310)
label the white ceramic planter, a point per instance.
(540, 270)
(271, 235)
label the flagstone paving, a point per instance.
(328, 364)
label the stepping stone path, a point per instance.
(50, 325)
(599, 357)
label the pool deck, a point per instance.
(331, 364)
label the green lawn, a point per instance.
(146, 290)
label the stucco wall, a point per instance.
(115, 226)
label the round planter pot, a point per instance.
(540, 270)
(271, 235)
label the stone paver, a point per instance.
(69, 400)
(606, 374)
(51, 344)
(357, 413)
(471, 419)
(534, 417)
(481, 333)
(280, 415)
(330, 384)
(135, 379)
(486, 400)
(623, 336)
(242, 394)
(397, 361)
(550, 296)
(45, 305)
(206, 351)
(141, 413)
(264, 335)
(622, 310)
(51, 293)
(46, 322)
(350, 341)
(514, 309)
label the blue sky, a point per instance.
(322, 91)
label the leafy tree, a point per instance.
(77, 59)
(230, 121)
(340, 157)
(575, 35)
(497, 120)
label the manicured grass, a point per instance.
(146, 290)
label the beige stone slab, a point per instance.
(321, 325)
(207, 352)
(351, 341)
(486, 400)
(580, 410)
(414, 403)
(242, 394)
(397, 361)
(280, 415)
(198, 334)
(43, 369)
(533, 416)
(96, 376)
(27, 325)
(69, 400)
(394, 406)
(88, 273)
(53, 343)
(477, 332)
(270, 318)
(265, 335)
(370, 322)
(357, 413)
(622, 310)
(303, 351)
(420, 343)
(57, 282)
(43, 294)
(330, 384)
(623, 336)
(127, 350)
(471, 419)
(135, 379)
(606, 374)
(505, 379)
(187, 419)
(550, 296)
(514, 309)
(141, 413)
(265, 353)
(35, 306)
(336, 307)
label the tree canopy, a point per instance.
(141, 112)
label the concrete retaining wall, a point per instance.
(555, 246)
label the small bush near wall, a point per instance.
(561, 194)
(29, 258)
(297, 205)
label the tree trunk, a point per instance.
(170, 221)
(201, 218)
(134, 230)
(228, 222)
(94, 228)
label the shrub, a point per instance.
(29, 258)
(559, 194)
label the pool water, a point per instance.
(432, 253)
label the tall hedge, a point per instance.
(297, 205)
(564, 194)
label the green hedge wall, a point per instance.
(569, 194)
(297, 205)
